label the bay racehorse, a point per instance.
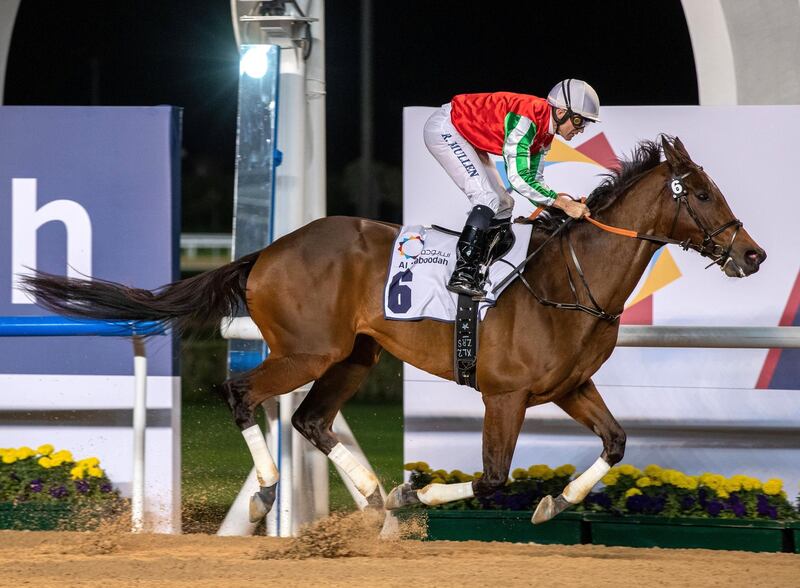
(317, 297)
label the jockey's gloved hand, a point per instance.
(573, 208)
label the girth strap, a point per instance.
(465, 341)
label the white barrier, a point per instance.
(54, 326)
(710, 337)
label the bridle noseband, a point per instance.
(719, 254)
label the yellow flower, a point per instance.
(45, 449)
(565, 470)
(520, 474)
(747, 483)
(62, 456)
(644, 482)
(540, 471)
(77, 473)
(632, 492)
(9, 458)
(455, 476)
(627, 469)
(721, 493)
(45, 462)
(713, 481)
(25, 453)
(652, 470)
(610, 478)
(773, 487)
(732, 485)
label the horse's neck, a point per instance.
(645, 209)
(613, 264)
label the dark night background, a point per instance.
(183, 53)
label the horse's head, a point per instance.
(703, 219)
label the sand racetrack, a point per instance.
(116, 559)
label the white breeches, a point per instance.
(471, 169)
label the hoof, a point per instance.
(261, 502)
(375, 500)
(548, 508)
(400, 496)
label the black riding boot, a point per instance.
(470, 250)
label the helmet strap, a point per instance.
(560, 120)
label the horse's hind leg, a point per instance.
(314, 417)
(276, 375)
(586, 406)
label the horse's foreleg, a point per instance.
(314, 417)
(586, 406)
(501, 426)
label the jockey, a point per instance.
(461, 134)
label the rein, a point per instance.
(719, 254)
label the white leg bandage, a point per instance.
(434, 494)
(364, 480)
(577, 490)
(265, 468)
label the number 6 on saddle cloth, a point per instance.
(420, 265)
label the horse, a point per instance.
(317, 296)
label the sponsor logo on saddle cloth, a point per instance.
(420, 265)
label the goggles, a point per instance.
(579, 121)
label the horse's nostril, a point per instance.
(755, 258)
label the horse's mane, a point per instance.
(644, 157)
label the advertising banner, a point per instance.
(91, 192)
(723, 410)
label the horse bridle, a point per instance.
(719, 254)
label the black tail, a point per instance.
(200, 300)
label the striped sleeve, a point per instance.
(524, 171)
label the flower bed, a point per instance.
(654, 507)
(47, 489)
(628, 490)
(670, 493)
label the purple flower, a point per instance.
(82, 486)
(762, 505)
(600, 499)
(702, 496)
(106, 487)
(36, 486)
(738, 509)
(58, 492)
(714, 507)
(688, 502)
(643, 504)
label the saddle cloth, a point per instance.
(420, 266)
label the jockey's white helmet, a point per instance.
(576, 96)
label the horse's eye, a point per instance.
(702, 196)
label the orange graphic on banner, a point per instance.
(664, 272)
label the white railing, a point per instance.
(204, 251)
(709, 337)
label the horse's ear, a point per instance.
(675, 158)
(678, 144)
